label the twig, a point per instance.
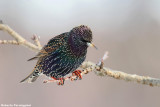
(86, 66)
(19, 39)
(121, 75)
(36, 40)
(13, 42)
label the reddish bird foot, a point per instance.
(78, 74)
(60, 80)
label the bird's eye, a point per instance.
(84, 40)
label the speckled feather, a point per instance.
(62, 55)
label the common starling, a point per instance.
(62, 55)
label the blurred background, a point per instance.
(128, 29)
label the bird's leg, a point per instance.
(60, 80)
(78, 74)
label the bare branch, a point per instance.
(120, 75)
(13, 42)
(20, 40)
(36, 40)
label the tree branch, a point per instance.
(120, 75)
(86, 66)
(36, 40)
(13, 42)
(19, 40)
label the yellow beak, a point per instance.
(92, 45)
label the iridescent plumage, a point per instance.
(62, 55)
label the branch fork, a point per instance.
(19, 40)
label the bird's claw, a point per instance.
(60, 81)
(78, 75)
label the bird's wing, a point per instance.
(51, 46)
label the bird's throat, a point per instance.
(77, 48)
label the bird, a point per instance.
(62, 55)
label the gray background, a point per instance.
(128, 29)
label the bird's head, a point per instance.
(83, 34)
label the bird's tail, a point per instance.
(32, 76)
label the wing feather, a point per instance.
(51, 46)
